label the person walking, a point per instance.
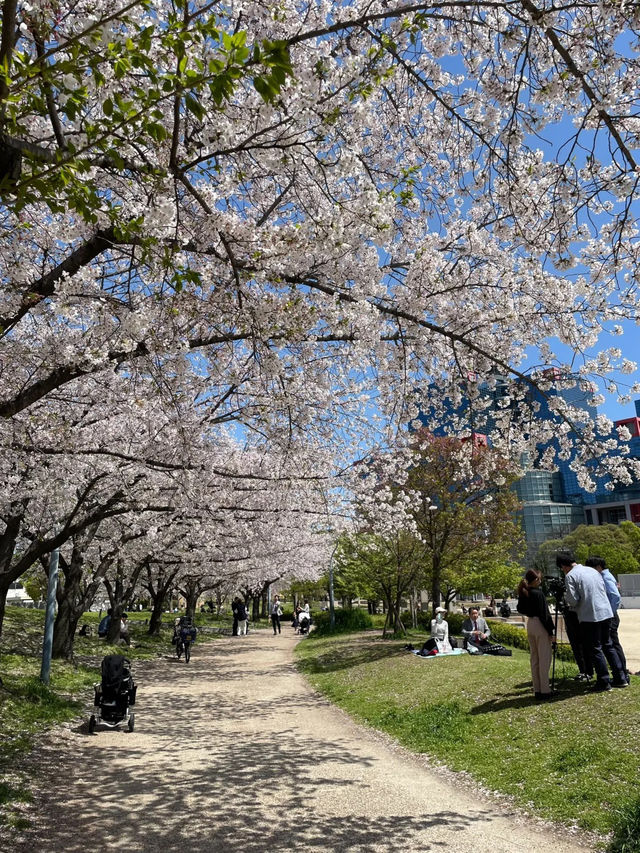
(242, 617)
(276, 613)
(540, 631)
(234, 611)
(585, 593)
(611, 587)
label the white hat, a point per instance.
(441, 609)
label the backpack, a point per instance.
(429, 647)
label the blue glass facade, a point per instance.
(553, 503)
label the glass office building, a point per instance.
(553, 503)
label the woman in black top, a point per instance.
(533, 605)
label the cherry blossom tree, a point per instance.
(314, 197)
(291, 230)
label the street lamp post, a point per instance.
(332, 609)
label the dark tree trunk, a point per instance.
(191, 602)
(158, 588)
(436, 595)
(155, 622)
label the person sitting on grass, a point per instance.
(103, 627)
(440, 631)
(475, 631)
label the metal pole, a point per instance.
(332, 610)
(50, 616)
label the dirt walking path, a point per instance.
(234, 753)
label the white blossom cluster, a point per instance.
(431, 196)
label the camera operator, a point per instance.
(586, 594)
(613, 595)
(556, 587)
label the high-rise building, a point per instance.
(552, 502)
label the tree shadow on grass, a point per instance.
(348, 657)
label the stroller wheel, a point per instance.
(132, 722)
(92, 724)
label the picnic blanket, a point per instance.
(440, 654)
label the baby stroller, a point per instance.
(115, 694)
(184, 634)
(304, 620)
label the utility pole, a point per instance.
(332, 609)
(50, 615)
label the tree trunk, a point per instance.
(191, 600)
(71, 601)
(155, 621)
(4, 590)
(435, 586)
(113, 634)
(64, 629)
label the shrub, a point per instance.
(347, 621)
(512, 635)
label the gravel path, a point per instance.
(234, 753)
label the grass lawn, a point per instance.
(575, 760)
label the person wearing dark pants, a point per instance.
(613, 595)
(276, 613)
(234, 611)
(586, 594)
(572, 627)
(597, 639)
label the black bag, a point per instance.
(497, 649)
(453, 642)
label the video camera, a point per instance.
(554, 586)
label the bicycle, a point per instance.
(183, 644)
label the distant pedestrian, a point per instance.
(234, 611)
(242, 617)
(276, 613)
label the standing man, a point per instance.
(586, 594)
(276, 613)
(613, 595)
(234, 611)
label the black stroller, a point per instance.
(304, 622)
(115, 694)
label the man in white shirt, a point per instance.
(586, 594)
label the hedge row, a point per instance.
(347, 620)
(512, 635)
